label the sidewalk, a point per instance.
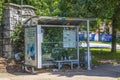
(4, 79)
(103, 72)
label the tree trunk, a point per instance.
(115, 26)
(113, 49)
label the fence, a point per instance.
(102, 37)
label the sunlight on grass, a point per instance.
(104, 54)
(100, 42)
(100, 49)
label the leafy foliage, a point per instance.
(1, 8)
(18, 38)
(118, 40)
(101, 9)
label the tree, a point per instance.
(115, 25)
(102, 9)
(106, 9)
(110, 10)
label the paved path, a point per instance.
(4, 79)
(99, 45)
(103, 72)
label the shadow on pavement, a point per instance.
(107, 70)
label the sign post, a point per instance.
(88, 49)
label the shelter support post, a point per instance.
(78, 54)
(88, 48)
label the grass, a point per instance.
(100, 42)
(103, 54)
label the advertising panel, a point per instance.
(69, 38)
(30, 46)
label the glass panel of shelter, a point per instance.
(52, 46)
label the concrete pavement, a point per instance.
(102, 72)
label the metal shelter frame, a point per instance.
(63, 22)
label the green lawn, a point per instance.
(100, 42)
(103, 54)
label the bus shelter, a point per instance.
(45, 37)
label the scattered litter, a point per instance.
(55, 70)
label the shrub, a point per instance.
(17, 38)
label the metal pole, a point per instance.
(78, 55)
(88, 48)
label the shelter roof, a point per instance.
(46, 20)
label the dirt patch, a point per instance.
(13, 66)
(109, 61)
(3, 64)
(9, 65)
